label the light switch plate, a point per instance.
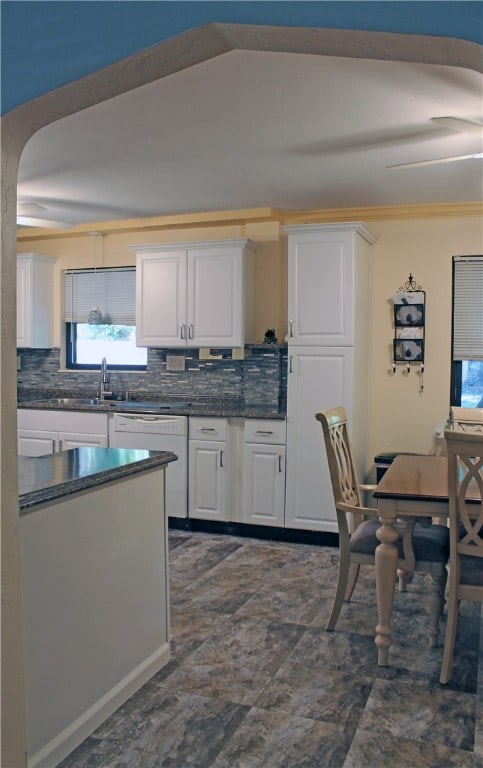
(175, 362)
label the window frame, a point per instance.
(456, 383)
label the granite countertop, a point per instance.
(188, 407)
(56, 475)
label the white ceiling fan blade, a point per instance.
(459, 124)
(28, 221)
(30, 209)
(30, 215)
(438, 160)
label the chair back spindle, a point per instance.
(465, 488)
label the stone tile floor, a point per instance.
(255, 681)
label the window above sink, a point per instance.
(114, 337)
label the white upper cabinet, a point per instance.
(161, 298)
(34, 300)
(194, 294)
(323, 283)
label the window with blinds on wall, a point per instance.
(467, 332)
(100, 318)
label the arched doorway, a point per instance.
(18, 126)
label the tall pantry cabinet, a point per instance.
(329, 306)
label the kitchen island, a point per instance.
(93, 538)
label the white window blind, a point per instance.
(468, 308)
(113, 290)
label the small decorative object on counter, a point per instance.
(270, 337)
(409, 319)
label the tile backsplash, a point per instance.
(259, 379)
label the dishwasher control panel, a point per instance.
(145, 423)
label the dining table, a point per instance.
(412, 486)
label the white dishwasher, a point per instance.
(157, 432)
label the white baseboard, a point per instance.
(62, 745)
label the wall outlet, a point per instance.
(205, 353)
(175, 362)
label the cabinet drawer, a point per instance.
(208, 429)
(265, 431)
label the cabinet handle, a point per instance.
(190, 330)
(290, 364)
(206, 429)
(264, 432)
(59, 446)
(221, 459)
(182, 332)
(290, 329)
(279, 462)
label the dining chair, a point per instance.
(421, 547)
(466, 419)
(465, 471)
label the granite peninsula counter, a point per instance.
(93, 540)
(56, 475)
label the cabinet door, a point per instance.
(161, 299)
(264, 484)
(321, 288)
(208, 480)
(23, 304)
(36, 442)
(215, 297)
(34, 300)
(318, 379)
(69, 440)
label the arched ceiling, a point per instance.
(258, 128)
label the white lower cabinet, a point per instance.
(264, 473)
(208, 461)
(319, 378)
(42, 432)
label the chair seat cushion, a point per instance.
(431, 543)
(471, 570)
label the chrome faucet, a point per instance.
(103, 392)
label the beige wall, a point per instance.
(116, 250)
(403, 417)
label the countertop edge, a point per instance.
(31, 499)
(220, 410)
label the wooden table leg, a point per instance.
(386, 564)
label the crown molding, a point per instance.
(178, 221)
(258, 215)
(383, 213)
